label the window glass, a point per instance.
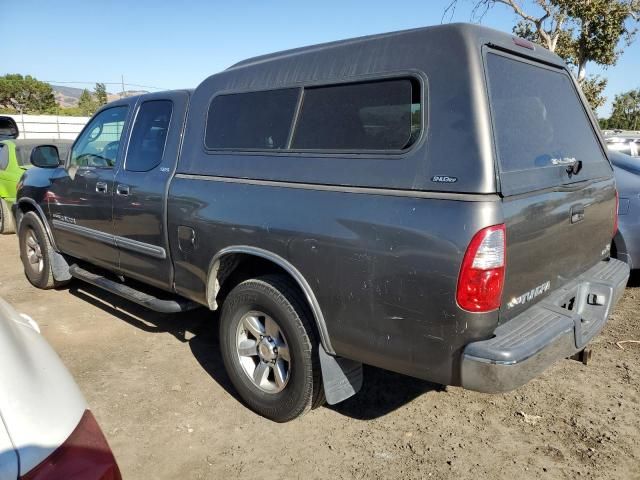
(538, 118)
(381, 115)
(99, 143)
(45, 155)
(254, 120)
(149, 136)
(4, 156)
(23, 154)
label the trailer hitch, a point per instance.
(583, 356)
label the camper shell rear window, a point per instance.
(540, 125)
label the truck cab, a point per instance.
(108, 204)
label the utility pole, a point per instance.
(122, 79)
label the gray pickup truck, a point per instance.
(437, 202)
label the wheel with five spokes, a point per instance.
(269, 348)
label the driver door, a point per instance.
(81, 194)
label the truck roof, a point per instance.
(134, 98)
(471, 33)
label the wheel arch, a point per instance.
(24, 205)
(620, 250)
(226, 261)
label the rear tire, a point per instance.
(7, 224)
(36, 252)
(269, 348)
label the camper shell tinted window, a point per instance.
(376, 116)
(383, 115)
(540, 126)
(252, 120)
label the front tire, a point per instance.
(269, 348)
(36, 252)
(6, 219)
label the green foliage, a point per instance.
(100, 92)
(579, 31)
(563, 39)
(26, 94)
(625, 114)
(593, 87)
(87, 105)
(599, 27)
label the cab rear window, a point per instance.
(539, 120)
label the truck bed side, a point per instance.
(383, 267)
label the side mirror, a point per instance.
(45, 156)
(8, 128)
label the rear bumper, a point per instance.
(525, 346)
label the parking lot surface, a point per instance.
(157, 386)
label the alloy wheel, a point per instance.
(263, 352)
(34, 252)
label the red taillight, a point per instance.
(482, 273)
(615, 215)
(84, 455)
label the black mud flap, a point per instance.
(342, 378)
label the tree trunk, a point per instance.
(582, 71)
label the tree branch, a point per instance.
(520, 12)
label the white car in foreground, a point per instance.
(46, 429)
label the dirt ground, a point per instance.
(157, 386)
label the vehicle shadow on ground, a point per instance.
(634, 279)
(182, 326)
(197, 327)
(382, 391)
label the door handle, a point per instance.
(101, 187)
(122, 190)
(577, 213)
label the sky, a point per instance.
(177, 44)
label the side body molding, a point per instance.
(213, 285)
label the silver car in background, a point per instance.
(622, 141)
(46, 429)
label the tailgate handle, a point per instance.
(574, 167)
(577, 213)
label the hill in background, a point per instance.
(68, 97)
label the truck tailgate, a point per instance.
(545, 249)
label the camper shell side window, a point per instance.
(378, 116)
